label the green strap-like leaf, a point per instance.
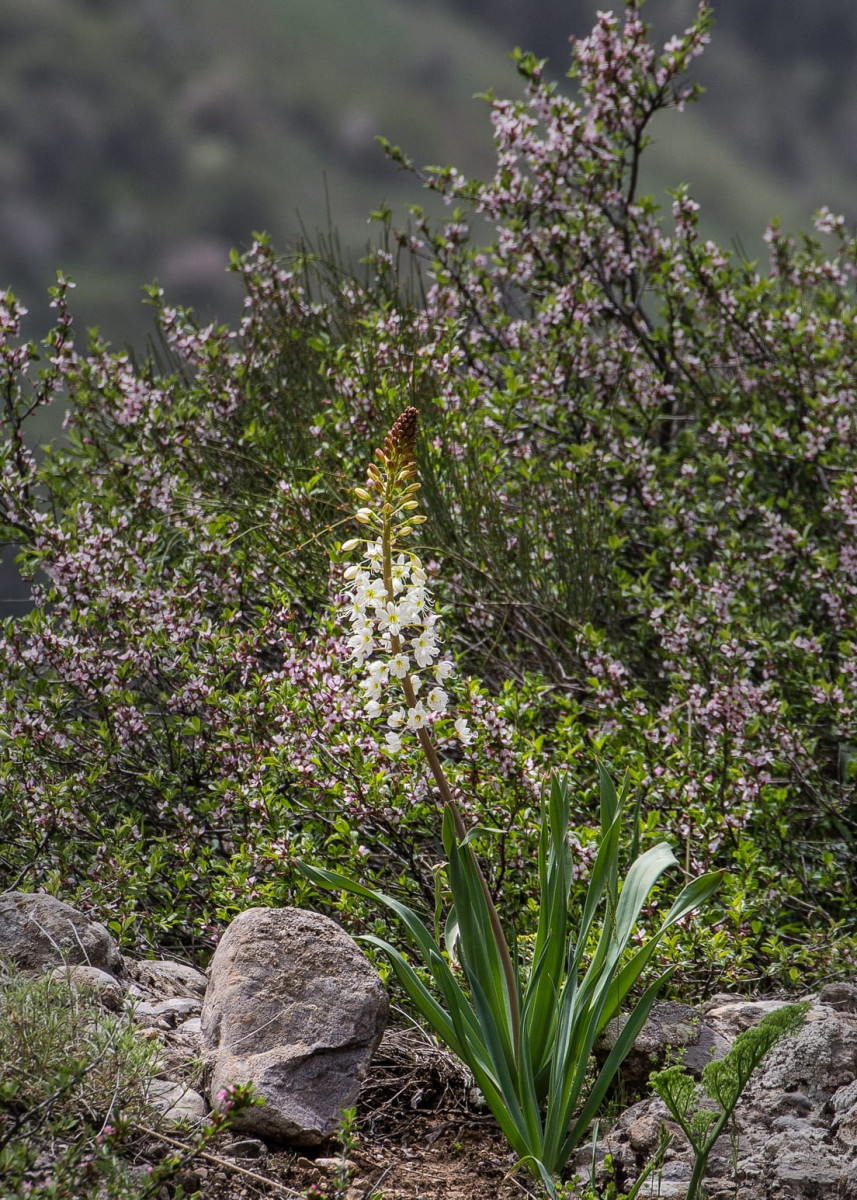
(617, 1055)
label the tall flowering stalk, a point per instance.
(527, 1035)
(394, 635)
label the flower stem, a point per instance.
(449, 802)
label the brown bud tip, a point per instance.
(403, 435)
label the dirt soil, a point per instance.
(419, 1136)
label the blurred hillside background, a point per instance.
(143, 139)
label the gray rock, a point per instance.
(845, 1098)
(670, 1183)
(295, 1008)
(819, 1059)
(670, 1028)
(168, 979)
(38, 931)
(179, 1104)
(163, 1014)
(728, 1017)
(841, 996)
(843, 1104)
(192, 1027)
(796, 1124)
(143, 1013)
(94, 980)
(794, 1103)
(177, 1009)
(247, 1147)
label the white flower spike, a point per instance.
(394, 634)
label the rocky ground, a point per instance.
(416, 1135)
(290, 1004)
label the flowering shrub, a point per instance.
(639, 470)
(177, 730)
(637, 457)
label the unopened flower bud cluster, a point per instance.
(394, 637)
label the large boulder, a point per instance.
(38, 931)
(295, 1008)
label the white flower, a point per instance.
(417, 716)
(361, 644)
(372, 686)
(399, 665)
(437, 700)
(394, 743)
(394, 635)
(390, 620)
(465, 733)
(415, 599)
(372, 594)
(408, 612)
(425, 649)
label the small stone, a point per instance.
(841, 996)
(187, 1038)
(178, 1103)
(657, 1187)
(172, 1011)
(336, 1164)
(246, 1148)
(169, 979)
(91, 979)
(787, 1122)
(644, 1134)
(144, 1014)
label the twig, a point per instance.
(373, 1187)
